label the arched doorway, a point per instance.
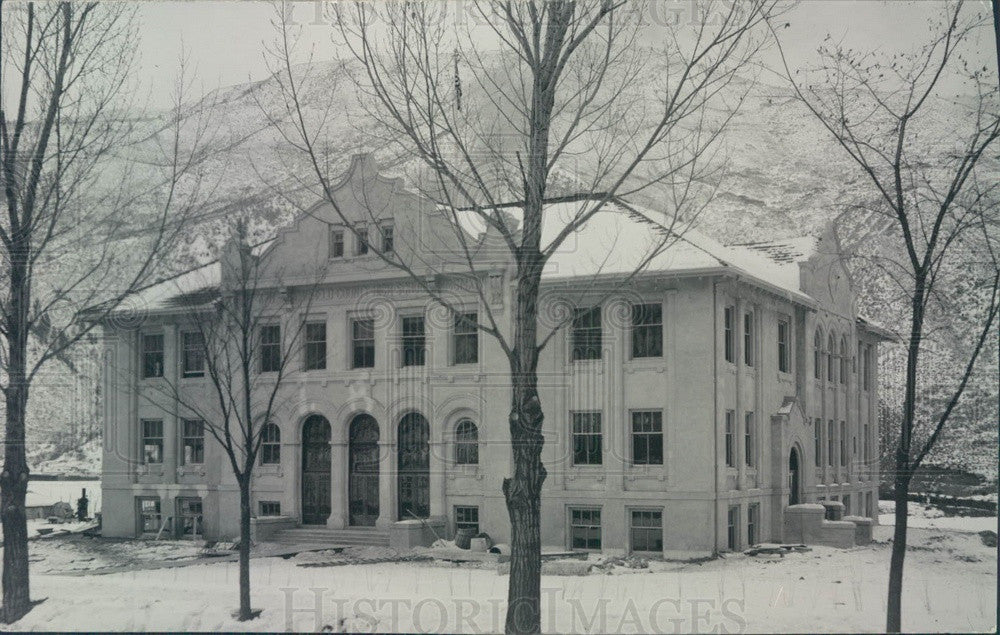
(315, 470)
(794, 481)
(414, 467)
(362, 478)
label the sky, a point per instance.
(225, 40)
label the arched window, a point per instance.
(270, 444)
(466, 443)
(818, 355)
(831, 354)
(844, 358)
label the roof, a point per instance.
(789, 250)
(191, 289)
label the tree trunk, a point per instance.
(893, 620)
(245, 612)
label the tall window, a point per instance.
(388, 239)
(831, 354)
(748, 439)
(818, 442)
(192, 355)
(270, 444)
(194, 441)
(585, 528)
(361, 244)
(844, 360)
(587, 438)
(748, 339)
(753, 523)
(149, 515)
(818, 355)
(647, 530)
(315, 346)
(843, 443)
(647, 330)
(733, 528)
(587, 333)
(336, 243)
(868, 368)
(783, 362)
(730, 438)
(647, 437)
(152, 441)
(728, 342)
(467, 517)
(270, 348)
(414, 348)
(189, 518)
(466, 443)
(363, 343)
(865, 444)
(465, 339)
(152, 356)
(831, 447)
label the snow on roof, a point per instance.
(790, 250)
(188, 290)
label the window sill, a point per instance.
(149, 469)
(465, 471)
(195, 469)
(650, 471)
(589, 472)
(270, 469)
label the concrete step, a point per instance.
(332, 537)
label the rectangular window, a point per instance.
(585, 528)
(361, 246)
(414, 341)
(388, 239)
(336, 243)
(467, 517)
(748, 339)
(818, 442)
(647, 530)
(748, 442)
(270, 445)
(783, 361)
(730, 438)
(152, 356)
(868, 505)
(647, 330)
(270, 508)
(868, 368)
(753, 523)
(733, 528)
(148, 510)
(189, 518)
(843, 443)
(363, 343)
(587, 438)
(586, 333)
(315, 349)
(847, 504)
(647, 437)
(192, 355)
(193, 441)
(270, 348)
(831, 448)
(152, 441)
(728, 343)
(865, 443)
(465, 344)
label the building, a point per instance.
(685, 409)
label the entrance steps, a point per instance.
(318, 535)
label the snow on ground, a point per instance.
(928, 517)
(950, 585)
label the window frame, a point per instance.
(753, 524)
(831, 449)
(467, 448)
(314, 351)
(269, 447)
(587, 418)
(784, 346)
(144, 437)
(818, 355)
(655, 530)
(336, 243)
(728, 334)
(387, 237)
(368, 344)
(749, 451)
(843, 444)
(644, 333)
(197, 520)
(141, 515)
(571, 518)
(465, 340)
(749, 359)
(729, 431)
(270, 361)
(197, 349)
(844, 360)
(587, 338)
(362, 242)
(818, 438)
(263, 512)
(655, 434)
(157, 369)
(458, 510)
(195, 439)
(413, 346)
(831, 354)
(733, 528)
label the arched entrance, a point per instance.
(414, 467)
(362, 478)
(794, 480)
(315, 470)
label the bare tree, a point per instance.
(555, 110)
(85, 221)
(924, 153)
(245, 367)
